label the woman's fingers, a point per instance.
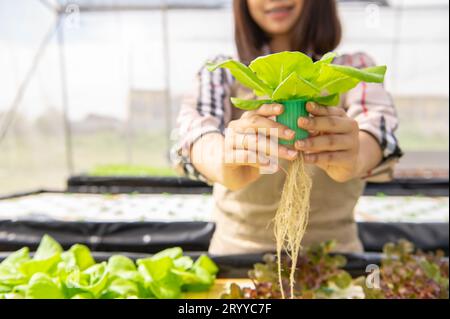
(326, 159)
(261, 144)
(266, 110)
(331, 142)
(329, 124)
(318, 110)
(254, 123)
(252, 159)
(248, 158)
(270, 110)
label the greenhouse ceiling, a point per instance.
(101, 5)
(117, 5)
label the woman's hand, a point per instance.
(334, 143)
(249, 146)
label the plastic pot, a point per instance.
(293, 110)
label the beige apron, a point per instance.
(244, 218)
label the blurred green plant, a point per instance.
(404, 274)
(131, 170)
(319, 275)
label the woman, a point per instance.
(349, 143)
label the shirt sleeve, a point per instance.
(374, 110)
(205, 110)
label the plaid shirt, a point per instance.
(208, 110)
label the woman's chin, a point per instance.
(279, 29)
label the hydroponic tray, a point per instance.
(70, 207)
(174, 185)
(150, 222)
(139, 223)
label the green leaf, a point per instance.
(166, 288)
(9, 269)
(5, 288)
(41, 286)
(143, 271)
(48, 247)
(78, 256)
(340, 79)
(206, 263)
(249, 105)
(46, 258)
(235, 292)
(244, 75)
(21, 289)
(197, 280)
(16, 258)
(12, 277)
(122, 288)
(431, 270)
(123, 268)
(184, 262)
(172, 253)
(83, 295)
(294, 87)
(329, 100)
(326, 59)
(187, 277)
(134, 276)
(160, 279)
(342, 280)
(156, 269)
(331, 81)
(93, 280)
(273, 69)
(47, 266)
(120, 263)
(372, 75)
(12, 296)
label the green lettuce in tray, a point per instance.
(73, 274)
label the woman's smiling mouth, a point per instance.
(280, 13)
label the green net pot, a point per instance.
(293, 110)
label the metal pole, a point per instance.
(166, 52)
(398, 10)
(64, 96)
(54, 8)
(129, 128)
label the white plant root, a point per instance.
(291, 218)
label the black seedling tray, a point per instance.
(140, 237)
(173, 185)
(150, 237)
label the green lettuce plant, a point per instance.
(293, 79)
(293, 75)
(54, 274)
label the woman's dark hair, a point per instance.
(317, 32)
